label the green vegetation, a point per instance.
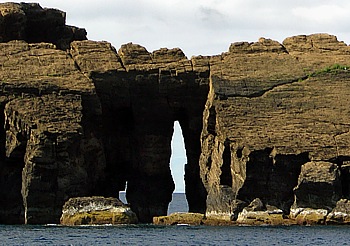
(331, 69)
(335, 68)
(54, 75)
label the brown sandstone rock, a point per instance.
(340, 214)
(50, 149)
(256, 213)
(180, 218)
(309, 216)
(265, 117)
(86, 121)
(319, 186)
(96, 211)
(263, 45)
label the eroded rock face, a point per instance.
(50, 149)
(264, 120)
(319, 186)
(271, 109)
(142, 94)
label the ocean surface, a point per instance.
(174, 235)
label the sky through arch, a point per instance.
(178, 158)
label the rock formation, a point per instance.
(32, 23)
(264, 120)
(96, 211)
(277, 114)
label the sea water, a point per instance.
(174, 235)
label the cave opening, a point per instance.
(178, 160)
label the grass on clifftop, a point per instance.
(335, 68)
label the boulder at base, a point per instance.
(340, 214)
(180, 218)
(96, 211)
(259, 214)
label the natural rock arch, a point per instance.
(84, 121)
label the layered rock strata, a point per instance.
(263, 120)
(276, 125)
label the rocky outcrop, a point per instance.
(340, 215)
(180, 219)
(259, 214)
(271, 110)
(50, 149)
(264, 120)
(142, 94)
(96, 211)
(319, 186)
(32, 23)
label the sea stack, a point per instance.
(264, 121)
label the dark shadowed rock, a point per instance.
(34, 24)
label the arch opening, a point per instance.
(178, 161)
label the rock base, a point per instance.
(257, 214)
(180, 218)
(309, 216)
(191, 219)
(340, 215)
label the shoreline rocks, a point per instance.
(96, 211)
(258, 214)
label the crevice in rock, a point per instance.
(2, 131)
(211, 123)
(226, 175)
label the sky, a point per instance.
(201, 27)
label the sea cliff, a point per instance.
(264, 123)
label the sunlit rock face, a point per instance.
(264, 120)
(272, 109)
